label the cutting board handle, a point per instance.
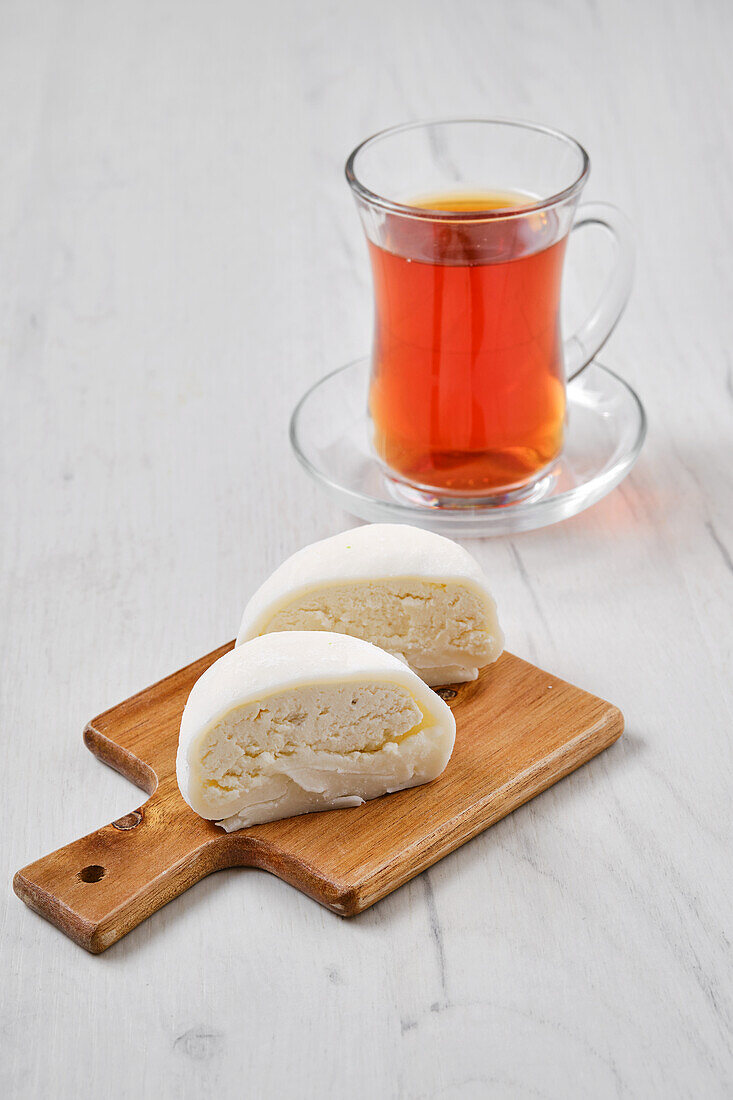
(100, 887)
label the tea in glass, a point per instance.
(467, 391)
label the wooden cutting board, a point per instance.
(519, 730)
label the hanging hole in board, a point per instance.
(92, 873)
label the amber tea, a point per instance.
(467, 387)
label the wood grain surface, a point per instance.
(519, 730)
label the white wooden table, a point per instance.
(179, 259)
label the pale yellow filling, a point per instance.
(319, 724)
(426, 622)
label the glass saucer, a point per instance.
(331, 435)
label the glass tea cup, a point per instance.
(467, 223)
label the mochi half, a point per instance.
(413, 593)
(299, 721)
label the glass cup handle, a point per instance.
(584, 345)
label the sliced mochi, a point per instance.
(295, 722)
(416, 594)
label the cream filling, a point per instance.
(442, 630)
(313, 747)
(440, 675)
